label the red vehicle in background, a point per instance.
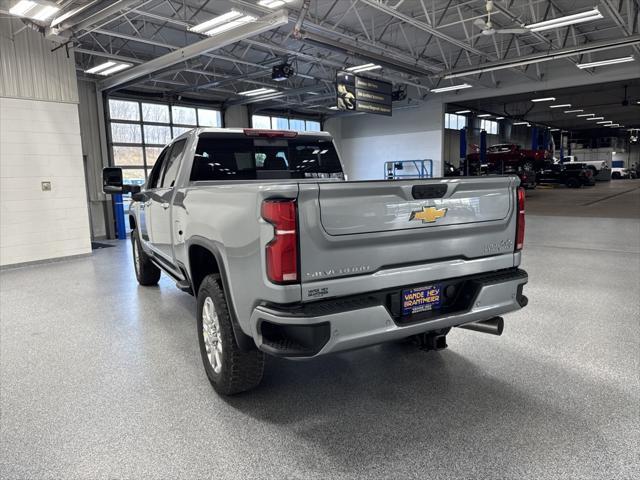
(509, 157)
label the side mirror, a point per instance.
(112, 180)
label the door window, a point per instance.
(173, 163)
(154, 176)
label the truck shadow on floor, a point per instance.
(394, 401)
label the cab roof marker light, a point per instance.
(566, 20)
(545, 99)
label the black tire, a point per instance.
(573, 183)
(146, 272)
(238, 371)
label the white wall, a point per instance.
(39, 142)
(366, 142)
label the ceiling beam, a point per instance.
(617, 17)
(263, 24)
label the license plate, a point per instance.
(421, 299)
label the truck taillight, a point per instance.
(282, 251)
(520, 220)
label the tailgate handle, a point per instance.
(420, 192)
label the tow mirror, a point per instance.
(112, 180)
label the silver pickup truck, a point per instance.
(288, 258)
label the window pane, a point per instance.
(184, 115)
(154, 112)
(156, 134)
(126, 133)
(131, 156)
(313, 126)
(295, 124)
(177, 131)
(173, 162)
(208, 118)
(152, 154)
(123, 110)
(133, 176)
(261, 121)
(278, 123)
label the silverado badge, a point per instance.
(428, 214)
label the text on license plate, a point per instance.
(421, 299)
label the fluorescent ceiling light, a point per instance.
(333, 108)
(604, 122)
(257, 91)
(596, 118)
(220, 19)
(499, 118)
(564, 105)
(102, 66)
(363, 68)
(451, 88)
(521, 123)
(586, 115)
(114, 69)
(545, 99)
(222, 23)
(483, 115)
(37, 10)
(554, 129)
(602, 63)
(566, 20)
(614, 125)
(273, 3)
(460, 112)
(573, 111)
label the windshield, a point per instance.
(237, 157)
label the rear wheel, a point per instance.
(573, 183)
(229, 369)
(146, 272)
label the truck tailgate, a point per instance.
(403, 232)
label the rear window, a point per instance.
(240, 158)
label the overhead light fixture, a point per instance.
(614, 125)
(602, 63)
(587, 115)
(566, 20)
(257, 91)
(484, 115)
(554, 129)
(545, 99)
(222, 23)
(460, 112)
(573, 111)
(107, 68)
(451, 88)
(364, 68)
(604, 122)
(333, 108)
(40, 10)
(521, 123)
(499, 118)
(273, 3)
(564, 105)
(596, 118)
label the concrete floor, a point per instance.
(101, 378)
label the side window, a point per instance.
(173, 163)
(154, 176)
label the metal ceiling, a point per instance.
(419, 41)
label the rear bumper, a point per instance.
(358, 321)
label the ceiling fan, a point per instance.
(487, 26)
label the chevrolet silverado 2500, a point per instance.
(286, 257)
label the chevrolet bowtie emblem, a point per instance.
(428, 214)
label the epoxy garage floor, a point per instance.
(102, 378)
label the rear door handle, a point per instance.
(165, 205)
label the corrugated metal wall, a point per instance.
(29, 69)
